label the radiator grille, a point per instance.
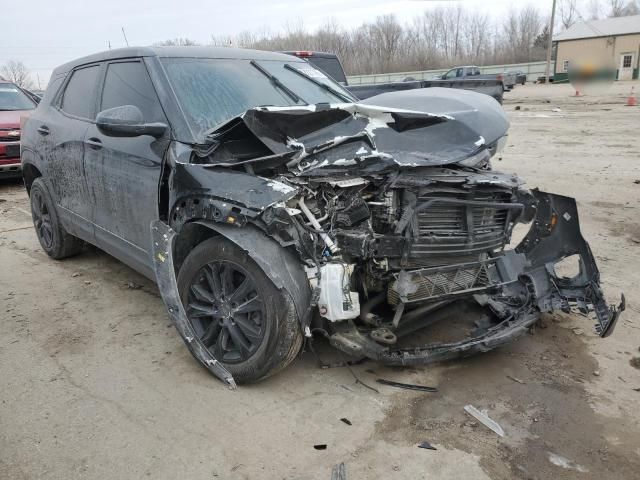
(445, 229)
(440, 282)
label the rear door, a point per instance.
(124, 173)
(61, 130)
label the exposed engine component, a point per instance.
(336, 301)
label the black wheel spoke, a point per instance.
(250, 329)
(210, 335)
(212, 274)
(252, 305)
(226, 278)
(202, 294)
(238, 337)
(242, 291)
(199, 309)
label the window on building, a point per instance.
(626, 61)
(565, 66)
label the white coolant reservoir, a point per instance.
(336, 302)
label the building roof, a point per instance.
(600, 28)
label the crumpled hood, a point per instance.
(440, 128)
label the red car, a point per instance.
(14, 104)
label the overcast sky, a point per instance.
(47, 33)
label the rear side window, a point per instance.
(128, 83)
(78, 98)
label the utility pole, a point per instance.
(547, 71)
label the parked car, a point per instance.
(269, 204)
(14, 104)
(521, 77)
(508, 80)
(330, 64)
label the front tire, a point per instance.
(242, 318)
(53, 238)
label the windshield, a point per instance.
(212, 91)
(12, 98)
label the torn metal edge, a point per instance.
(162, 237)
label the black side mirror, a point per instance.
(127, 121)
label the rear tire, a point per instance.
(247, 323)
(54, 239)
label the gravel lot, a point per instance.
(95, 383)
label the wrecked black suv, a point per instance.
(269, 204)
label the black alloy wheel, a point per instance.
(226, 311)
(42, 220)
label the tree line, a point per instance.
(438, 38)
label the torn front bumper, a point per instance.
(517, 286)
(162, 249)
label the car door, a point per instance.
(124, 172)
(61, 130)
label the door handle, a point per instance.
(43, 130)
(94, 143)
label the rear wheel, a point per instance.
(54, 239)
(247, 324)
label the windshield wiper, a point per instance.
(276, 81)
(322, 85)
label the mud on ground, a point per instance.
(95, 383)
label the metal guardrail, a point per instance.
(532, 69)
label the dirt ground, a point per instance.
(96, 384)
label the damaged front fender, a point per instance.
(162, 249)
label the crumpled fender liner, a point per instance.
(555, 235)
(351, 341)
(163, 236)
(282, 267)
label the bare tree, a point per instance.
(17, 72)
(617, 8)
(177, 42)
(595, 9)
(440, 37)
(568, 12)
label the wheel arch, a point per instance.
(281, 266)
(29, 173)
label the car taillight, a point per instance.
(499, 77)
(304, 53)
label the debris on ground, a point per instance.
(635, 239)
(133, 286)
(635, 362)
(563, 462)
(426, 445)
(339, 472)
(346, 421)
(483, 418)
(596, 373)
(75, 274)
(578, 331)
(517, 380)
(320, 446)
(406, 386)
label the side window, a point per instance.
(128, 83)
(459, 72)
(451, 73)
(79, 96)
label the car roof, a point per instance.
(175, 52)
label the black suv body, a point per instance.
(269, 204)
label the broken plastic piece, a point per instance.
(406, 386)
(346, 420)
(320, 446)
(426, 445)
(483, 418)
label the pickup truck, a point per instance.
(472, 72)
(330, 64)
